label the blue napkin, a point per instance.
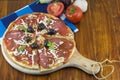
(33, 7)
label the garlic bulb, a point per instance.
(82, 4)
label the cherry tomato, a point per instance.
(55, 8)
(74, 14)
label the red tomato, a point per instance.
(74, 14)
(55, 8)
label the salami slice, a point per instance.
(61, 28)
(14, 34)
(46, 59)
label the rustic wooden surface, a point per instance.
(98, 39)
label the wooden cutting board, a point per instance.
(77, 60)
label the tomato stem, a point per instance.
(72, 10)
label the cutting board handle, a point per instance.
(87, 65)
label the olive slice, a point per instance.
(34, 46)
(27, 39)
(45, 43)
(41, 26)
(30, 30)
(52, 32)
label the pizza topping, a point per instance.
(21, 48)
(27, 39)
(46, 43)
(41, 26)
(49, 20)
(41, 32)
(40, 39)
(14, 34)
(40, 50)
(44, 21)
(22, 28)
(16, 53)
(24, 24)
(30, 30)
(25, 52)
(31, 16)
(34, 52)
(53, 52)
(20, 42)
(46, 59)
(11, 46)
(52, 32)
(34, 46)
(59, 26)
(61, 42)
(49, 44)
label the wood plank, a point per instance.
(98, 39)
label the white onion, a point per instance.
(82, 4)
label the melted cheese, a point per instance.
(33, 57)
(53, 52)
(52, 21)
(21, 42)
(15, 27)
(31, 16)
(57, 45)
(61, 42)
(40, 32)
(40, 51)
(44, 21)
(25, 52)
(24, 24)
(16, 53)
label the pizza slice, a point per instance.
(56, 51)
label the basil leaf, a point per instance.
(22, 28)
(21, 48)
(51, 45)
(48, 21)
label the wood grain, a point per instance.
(98, 39)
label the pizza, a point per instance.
(38, 41)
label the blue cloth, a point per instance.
(33, 7)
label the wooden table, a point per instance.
(98, 38)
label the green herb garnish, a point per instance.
(51, 45)
(48, 21)
(22, 28)
(21, 48)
